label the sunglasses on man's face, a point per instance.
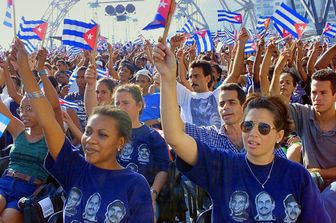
(263, 128)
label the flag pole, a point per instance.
(14, 19)
(169, 18)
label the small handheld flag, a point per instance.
(79, 34)
(230, 17)
(32, 29)
(160, 19)
(290, 20)
(68, 104)
(204, 41)
(4, 121)
(188, 27)
(330, 30)
(8, 21)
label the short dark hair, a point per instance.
(235, 87)
(277, 107)
(134, 90)
(295, 78)
(326, 75)
(205, 65)
(124, 123)
(110, 83)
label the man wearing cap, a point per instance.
(151, 112)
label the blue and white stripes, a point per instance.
(188, 27)
(8, 21)
(73, 33)
(228, 16)
(26, 29)
(29, 46)
(4, 121)
(204, 41)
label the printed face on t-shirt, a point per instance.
(264, 205)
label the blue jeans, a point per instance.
(13, 190)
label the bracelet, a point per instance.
(42, 72)
(34, 95)
(154, 192)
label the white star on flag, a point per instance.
(39, 29)
(163, 4)
(89, 36)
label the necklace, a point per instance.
(268, 176)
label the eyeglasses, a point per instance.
(263, 128)
(20, 110)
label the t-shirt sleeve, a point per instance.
(313, 209)
(182, 94)
(160, 151)
(208, 170)
(295, 110)
(68, 166)
(141, 209)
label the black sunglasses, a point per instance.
(263, 128)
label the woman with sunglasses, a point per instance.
(244, 188)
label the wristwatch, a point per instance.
(42, 72)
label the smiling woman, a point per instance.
(95, 183)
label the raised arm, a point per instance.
(238, 63)
(53, 132)
(183, 144)
(313, 58)
(281, 63)
(299, 55)
(325, 59)
(182, 71)
(90, 99)
(113, 54)
(256, 65)
(12, 92)
(15, 126)
(50, 91)
(265, 65)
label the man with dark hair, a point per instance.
(61, 65)
(292, 209)
(229, 135)
(200, 105)
(265, 205)
(115, 212)
(316, 126)
(239, 202)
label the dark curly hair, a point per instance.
(274, 104)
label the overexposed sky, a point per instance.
(120, 31)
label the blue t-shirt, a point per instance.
(289, 195)
(99, 195)
(146, 154)
(76, 97)
(151, 110)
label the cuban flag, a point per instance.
(188, 27)
(4, 122)
(221, 33)
(79, 34)
(330, 30)
(139, 40)
(262, 25)
(29, 46)
(290, 20)
(32, 29)
(68, 104)
(101, 73)
(101, 44)
(73, 51)
(161, 16)
(250, 47)
(282, 31)
(204, 41)
(8, 21)
(189, 42)
(230, 17)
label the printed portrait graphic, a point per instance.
(292, 209)
(115, 212)
(265, 205)
(239, 203)
(91, 208)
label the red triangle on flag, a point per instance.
(40, 30)
(201, 33)
(254, 45)
(90, 37)
(300, 28)
(285, 33)
(238, 18)
(327, 28)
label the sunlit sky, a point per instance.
(120, 31)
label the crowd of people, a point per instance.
(256, 132)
